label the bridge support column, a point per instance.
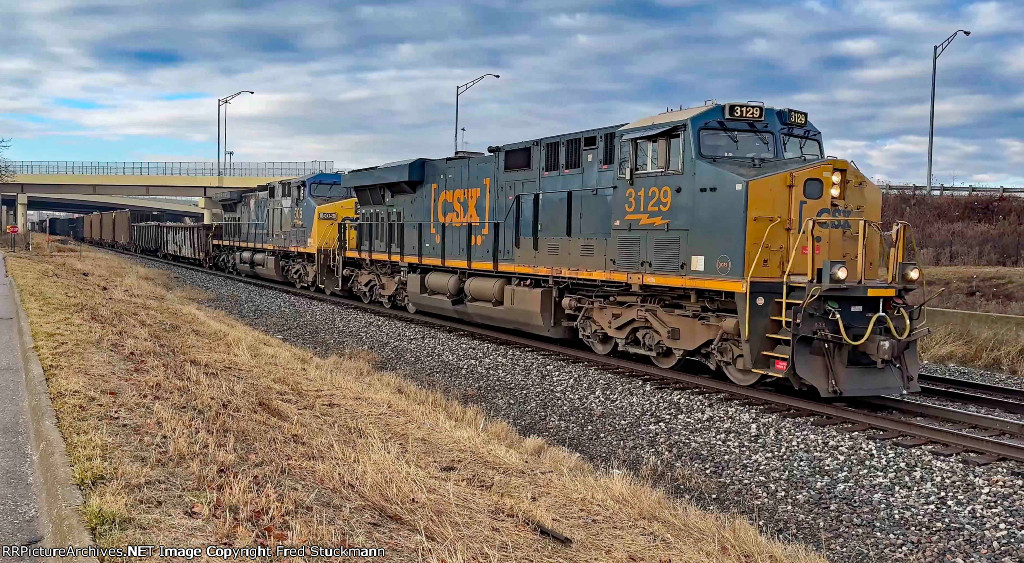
(3, 218)
(22, 216)
(208, 206)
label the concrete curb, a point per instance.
(60, 499)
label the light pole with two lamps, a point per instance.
(936, 51)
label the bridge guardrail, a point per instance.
(198, 168)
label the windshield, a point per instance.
(793, 147)
(718, 143)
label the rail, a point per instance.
(184, 168)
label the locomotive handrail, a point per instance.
(750, 274)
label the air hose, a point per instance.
(871, 326)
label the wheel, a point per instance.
(410, 307)
(665, 360)
(601, 344)
(386, 301)
(365, 296)
(739, 376)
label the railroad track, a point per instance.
(1009, 399)
(980, 439)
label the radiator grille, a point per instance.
(628, 253)
(573, 154)
(551, 156)
(587, 249)
(666, 254)
(608, 151)
(554, 248)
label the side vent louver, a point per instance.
(587, 249)
(554, 248)
(666, 254)
(628, 253)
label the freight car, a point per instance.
(720, 233)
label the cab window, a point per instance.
(719, 143)
(675, 152)
(794, 146)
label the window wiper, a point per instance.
(732, 136)
(763, 137)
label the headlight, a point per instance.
(839, 273)
(837, 177)
(912, 274)
(834, 191)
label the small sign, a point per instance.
(13, 229)
(781, 365)
(325, 216)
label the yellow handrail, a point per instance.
(750, 274)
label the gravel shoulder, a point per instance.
(849, 497)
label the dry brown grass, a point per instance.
(987, 347)
(985, 289)
(962, 230)
(992, 343)
(186, 427)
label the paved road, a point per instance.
(19, 501)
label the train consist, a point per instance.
(720, 233)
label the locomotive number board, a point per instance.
(796, 117)
(745, 112)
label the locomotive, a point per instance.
(721, 233)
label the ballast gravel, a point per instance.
(851, 498)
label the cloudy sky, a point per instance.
(362, 84)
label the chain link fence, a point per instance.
(250, 169)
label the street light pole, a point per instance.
(224, 102)
(459, 90)
(936, 51)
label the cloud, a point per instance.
(362, 84)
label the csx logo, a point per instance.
(835, 212)
(458, 206)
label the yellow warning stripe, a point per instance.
(646, 279)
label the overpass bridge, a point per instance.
(85, 187)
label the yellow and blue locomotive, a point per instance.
(721, 233)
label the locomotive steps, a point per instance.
(186, 427)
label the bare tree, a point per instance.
(6, 170)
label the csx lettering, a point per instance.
(458, 206)
(839, 213)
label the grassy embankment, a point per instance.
(185, 427)
(990, 343)
(974, 247)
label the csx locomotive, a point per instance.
(720, 233)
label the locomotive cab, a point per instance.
(741, 197)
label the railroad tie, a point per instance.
(981, 459)
(946, 451)
(912, 442)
